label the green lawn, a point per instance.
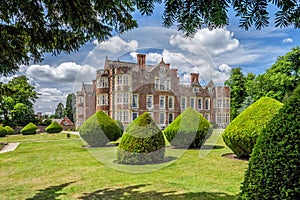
(51, 166)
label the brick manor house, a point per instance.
(125, 90)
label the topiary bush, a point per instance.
(54, 127)
(9, 130)
(142, 143)
(99, 129)
(29, 129)
(241, 134)
(274, 166)
(188, 130)
(3, 131)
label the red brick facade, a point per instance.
(125, 90)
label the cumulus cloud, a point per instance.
(287, 40)
(116, 44)
(64, 73)
(213, 42)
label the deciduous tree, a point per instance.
(28, 29)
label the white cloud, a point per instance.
(213, 42)
(116, 44)
(287, 40)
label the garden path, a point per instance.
(9, 147)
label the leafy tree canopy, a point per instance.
(236, 82)
(16, 106)
(28, 29)
(59, 111)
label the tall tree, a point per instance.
(281, 79)
(28, 29)
(236, 82)
(59, 111)
(16, 107)
(70, 109)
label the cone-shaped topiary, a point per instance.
(9, 130)
(99, 129)
(3, 131)
(274, 167)
(142, 143)
(54, 127)
(29, 129)
(241, 134)
(189, 129)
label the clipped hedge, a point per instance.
(99, 129)
(142, 143)
(54, 127)
(188, 130)
(274, 166)
(3, 131)
(9, 130)
(29, 129)
(241, 134)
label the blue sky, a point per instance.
(211, 53)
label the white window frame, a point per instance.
(183, 103)
(193, 102)
(207, 103)
(172, 102)
(162, 102)
(149, 97)
(119, 98)
(156, 83)
(200, 106)
(170, 114)
(125, 98)
(137, 115)
(135, 101)
(162, 120)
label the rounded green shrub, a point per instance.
(99, 129)
(3, 131)
(9, 130)
(274, 166)
(188, 130)
(241, 134)
(142, 143)
(29, 129)
(54, 127)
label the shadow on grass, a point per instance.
(132, 192)
(50, 193)
(208, 147)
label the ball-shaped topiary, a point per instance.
(54, 127)
(241, 134)
(188, 130)
(142, 143)
(274, 166)
(3, 131)
(99, 129)
(29, 129)
(9, 130)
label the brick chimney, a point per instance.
(141, 60)
(174, 72)
(194, 77)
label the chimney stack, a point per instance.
(168, 65)
(174, 72)
(194, 77)
(141, 60)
